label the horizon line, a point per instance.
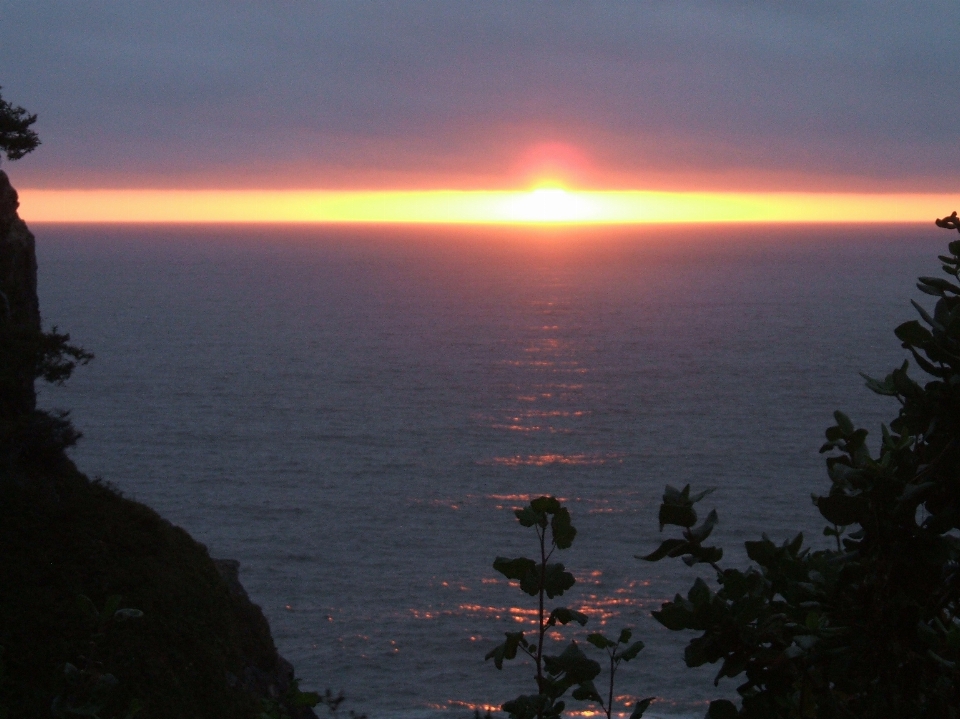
(539, 206)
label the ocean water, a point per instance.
(352, 413)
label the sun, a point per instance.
(548, 204)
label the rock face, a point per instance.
(19, 306)
(201, 650)
(278, 680)
(18, 260)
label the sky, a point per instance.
(734, 96)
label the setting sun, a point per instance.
(550, 204)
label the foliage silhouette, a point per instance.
(870, 629)
(30, 436)
(619, 650)
(16, 137)
(571, 669)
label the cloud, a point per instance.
(420, 93)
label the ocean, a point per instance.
(353, 412)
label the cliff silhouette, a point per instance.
(19, 304)
(70, 546)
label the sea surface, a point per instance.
(352, 413)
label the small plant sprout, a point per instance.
(544, 580)
(617, 651)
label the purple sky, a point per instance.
(632, 94)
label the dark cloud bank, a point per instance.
(738, 95)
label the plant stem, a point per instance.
(543, 629)
(543, 580)
(613, 669)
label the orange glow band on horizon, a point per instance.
(540, 206)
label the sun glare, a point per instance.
(549, 204)
(542, 205)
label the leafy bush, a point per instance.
(870, 628)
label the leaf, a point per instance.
(127, 613)
(913, 333)
(547, 505)
(884, 388)
(575, 666)
(762, 552)
(507, 650)
(722, 709)
(600, 641)
(563, 530)
(940, 284)
(732, 665)
(700, 495)
(926, 316)
(587, 691)
(675, 615)
(699, 593)
(680, 515)
(528, 517)
(914, 494)
(841, 509)
(562, 615)
(666, 548)
(708, 555)
(532, 707)
(929, 290)
(672, 495)
(834, 435)
(521, 569)
(556, 581)
(632, 651)
(698, 534)
(624, 637)
(701, 650)
(843, 422)
(640, 707)
(497, 654)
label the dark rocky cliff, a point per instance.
(201, 649)
(18, 260)
(19, 305)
